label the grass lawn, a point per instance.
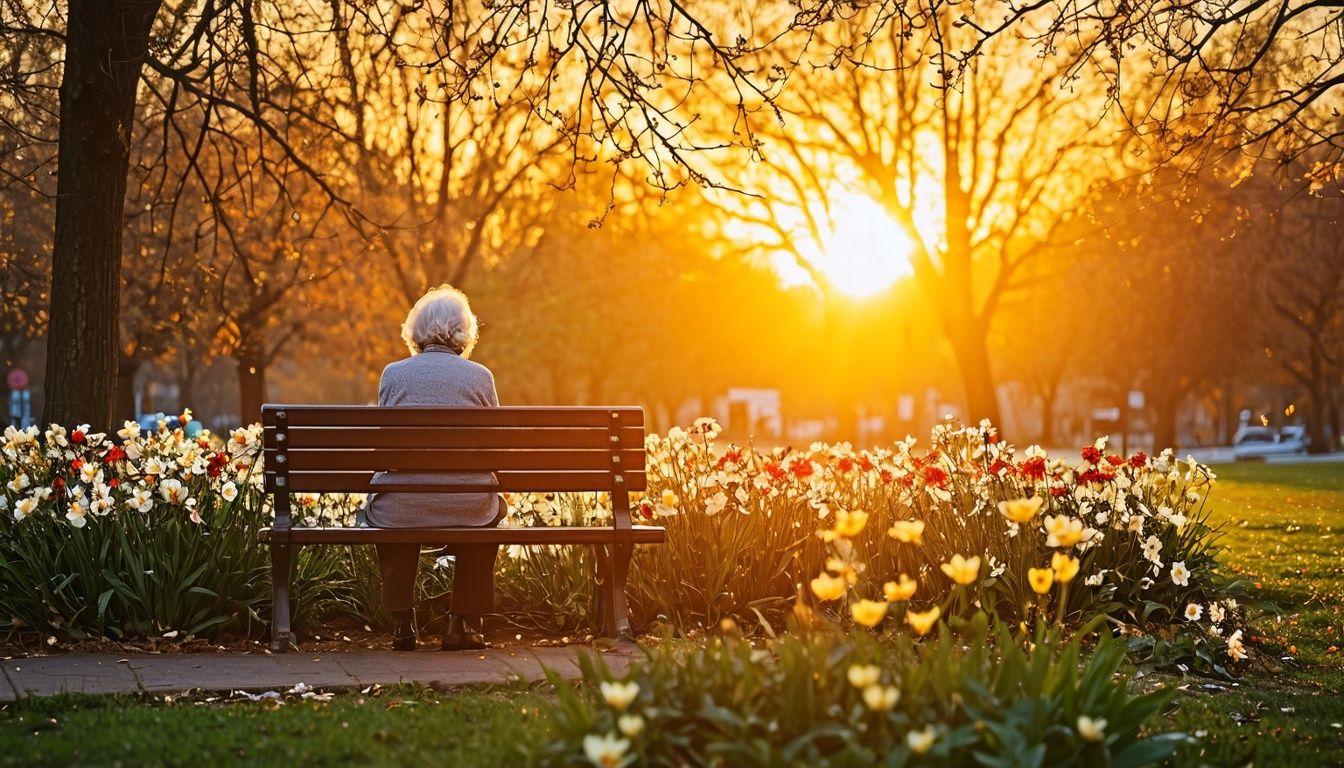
(1284, 531)
(398, 726)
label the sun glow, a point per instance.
(864, 251)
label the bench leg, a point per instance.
(283, 559)
(614, 567)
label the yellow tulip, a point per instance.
(670, 498)
(902, 591)
(923, 622)
(1065, 567)
(828, 587)
(1021, 510)
(1041, 579)
(908, 531)
(869, 613)
(964, 571)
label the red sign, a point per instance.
(17, 378)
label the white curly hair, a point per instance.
(442, 316)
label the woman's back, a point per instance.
(436, 376)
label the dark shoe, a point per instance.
(403, 631)
(463, 634)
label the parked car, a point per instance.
(1256, 442)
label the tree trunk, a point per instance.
(106, 45)
(1048, 397)
(127, 367)
(971, 349)
(1318, 417)
(1165, 405)
(251, 358)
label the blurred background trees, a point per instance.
(882, 216)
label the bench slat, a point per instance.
(417, 416)
(639, 534)
(358, 482)
(456, 437)
(448, 460)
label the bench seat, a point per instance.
(343, 448)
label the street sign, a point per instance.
(17, 378)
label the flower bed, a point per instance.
(154, 532)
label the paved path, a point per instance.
(170, 673)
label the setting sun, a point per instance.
(867, 251)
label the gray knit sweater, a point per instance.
(436, 376)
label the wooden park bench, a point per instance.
(337, 449)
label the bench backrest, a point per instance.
(338, 448)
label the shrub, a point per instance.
(837, 699)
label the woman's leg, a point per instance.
(398, 563)
(474, 579)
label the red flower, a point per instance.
(935, 476)
(77, 437)
(113, 454)
(113, 483)
(1091, 455)
(1115, 460)
(775, 471)
(845, 464)
(885, 475)
(800, 467)
(1059, 490)
(865, 464)
(204, 444)
(646, 510)
(1034, 468)
(75, 464)
(1138, 459)
(58, 482)
(733, 455)
(999, 466)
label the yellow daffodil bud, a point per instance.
(869, 613)
(1041, 579)
(850, 524)
(923, 622)
(964, 571)
(907, 531)
(1064, 566)
(828, 587)
(904, 590)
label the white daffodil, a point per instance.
(630, 725)
(173, 491)
(1180, 575)
(921, 741)
(228, 491)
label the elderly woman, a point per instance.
(440, 332)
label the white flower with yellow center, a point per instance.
(1180, 575)
(26, 506)
(141, 500)
(630, 725)
(1194, 612)
(173, 491)
(229, 491)
(921, 741)
(1092, 729)
(19, 482)
(606, 751)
